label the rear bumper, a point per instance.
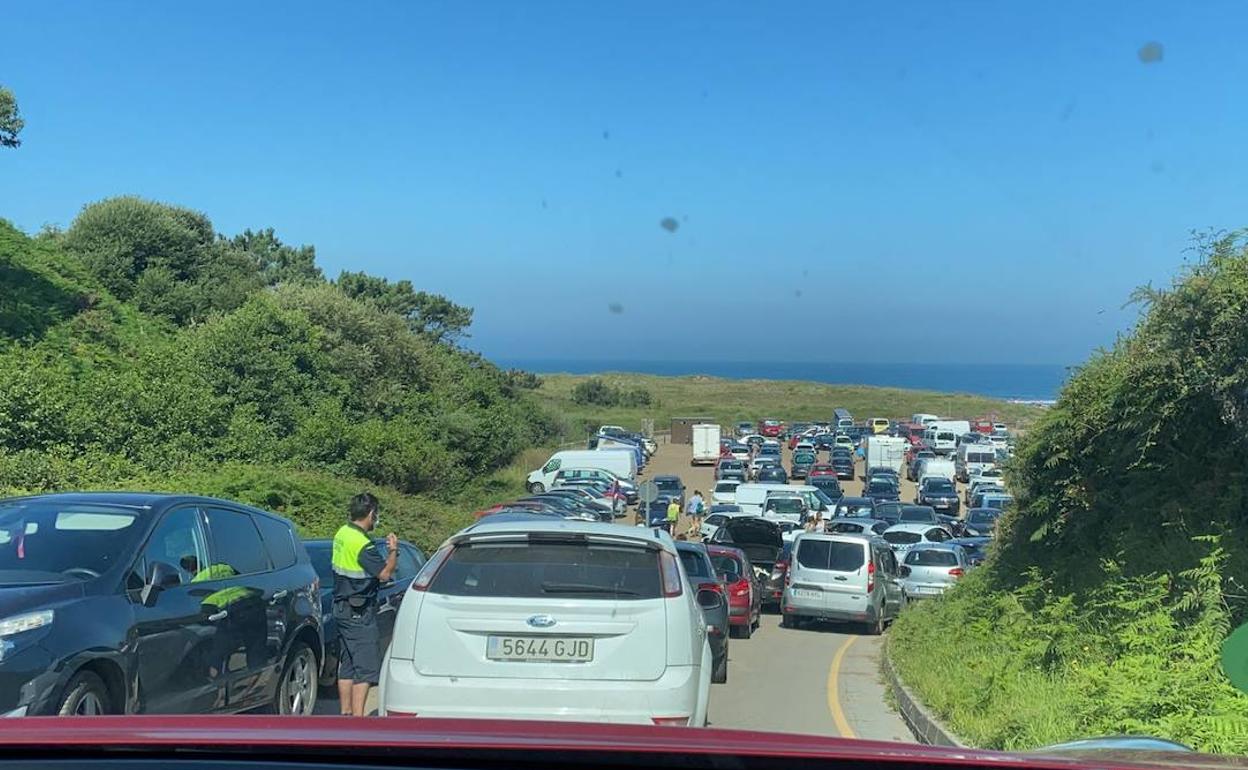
(404, 691)
(838, 607)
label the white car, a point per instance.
(551, 620)
(725, 491)
(903, 537)
(803, 446)
(715, 520)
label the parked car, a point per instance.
(760, 539)
(940, 494)
(702, 576)
(740, 452)
(976, 548)
(883, 470)
(828, 485)
(987, 483)
(671, 486)
(844, 466)
(655, 512)
(761, 461)
(725, 491)
(912, 470)
(389, 596)
(954, 524)
(729, 465)
(821, 469)
(882, 488)
(889, 511)
(505, 608)
(903, 537)
(744, 429)
(802, 463)
(771, 474)
(745, 596)
(770, 428)
(917, 514)
(982, 522)
(120, 602)
(857, 526)
(754, 440)
(842, 577)
(855, 506)
(994, 500)
(717, 515)
(930, 569)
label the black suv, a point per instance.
(125, 603)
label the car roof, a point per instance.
(911, 526)
(667, 477)
(855, 500)
(555, 525)
(934, 547)
(857, 537)
(861, 521)
(138, 502)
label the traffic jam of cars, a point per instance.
(582, 600)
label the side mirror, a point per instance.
(159, 577)
(905, 571)
(709, 600)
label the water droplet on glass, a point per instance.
(669, 224)
(1151, 52)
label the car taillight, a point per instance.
(957, 572)
(741, 589)
(671, 574)
(430, 570)
(870, 576)
(671, 721)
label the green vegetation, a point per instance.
(1123, 567)
(11, 123)
(141, 349)
(729, 401)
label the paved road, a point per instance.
(820, 680)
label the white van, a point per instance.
(835, 576)
(886, 451)
(753, 497)
(974, 459)
(621, 462)
(941, 440)
(936, 467)
(924, 419)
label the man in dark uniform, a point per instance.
(358, 571)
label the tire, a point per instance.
(748, 629)
(85, 695)
(875, 627)
(296, 690)
(719, 674)
(536, 488)
(789, 621)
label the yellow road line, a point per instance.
(834, 699)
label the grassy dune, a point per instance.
(728, 401)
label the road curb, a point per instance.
(925, 726)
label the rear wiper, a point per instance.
(583, 588)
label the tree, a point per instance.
(277, 262)
(11, 123)
(430, 315)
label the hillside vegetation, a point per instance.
(141, 349)
(727, 401)
(1124, 565)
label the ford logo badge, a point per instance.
(541, 621)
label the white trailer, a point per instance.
(705, 444)
(886, 451)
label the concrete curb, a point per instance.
(926, 728)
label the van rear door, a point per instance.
(832, 573)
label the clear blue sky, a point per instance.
(896, 163)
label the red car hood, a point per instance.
(424, 739)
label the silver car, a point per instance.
(930, 569)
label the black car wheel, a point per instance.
(85, 696)
(536, 488)
(719, 674)
(297, 688)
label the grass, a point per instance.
(728, 401)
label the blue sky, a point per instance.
(895, 163)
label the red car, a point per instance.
(770, 428)
(821, 469)
(745, 596)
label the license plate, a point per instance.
(926, 590)
(565, 649)
(805, 593)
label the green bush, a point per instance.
(596, 392)
(1120, 571)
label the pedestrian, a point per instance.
(359, 570)
(695, 508)
(673, 516)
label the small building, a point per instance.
(682, 428)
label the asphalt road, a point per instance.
(819, 680)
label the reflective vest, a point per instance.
(349, 541)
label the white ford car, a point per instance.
(563, 620)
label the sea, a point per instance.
(1017, 382)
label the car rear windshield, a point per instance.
(727, 565)
(831, 555)
(726, 486)
(785, 504)
(981, 517)
(927, 557)
(940, 486)
(544, 570)
(673, 484)
(45, 542)
(902, 538)
(804, 457)
(882, 485)
(921, 515)
(695, 563)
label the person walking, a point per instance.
(673, 516)
(359, 570)
(695, 509)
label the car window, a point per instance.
(406, 566)
(545, 570)
(831, 555)
(714, 519)
(279, 539)
(236, 545)
(845, 526)
(930, 557)
(179, 542)
(725, 564)
(938, 535)
(695, 565)
(902, 538)
(552, 466)
(320, 556)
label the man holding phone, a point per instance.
(359, 570)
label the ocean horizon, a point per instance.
(1026, 382)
